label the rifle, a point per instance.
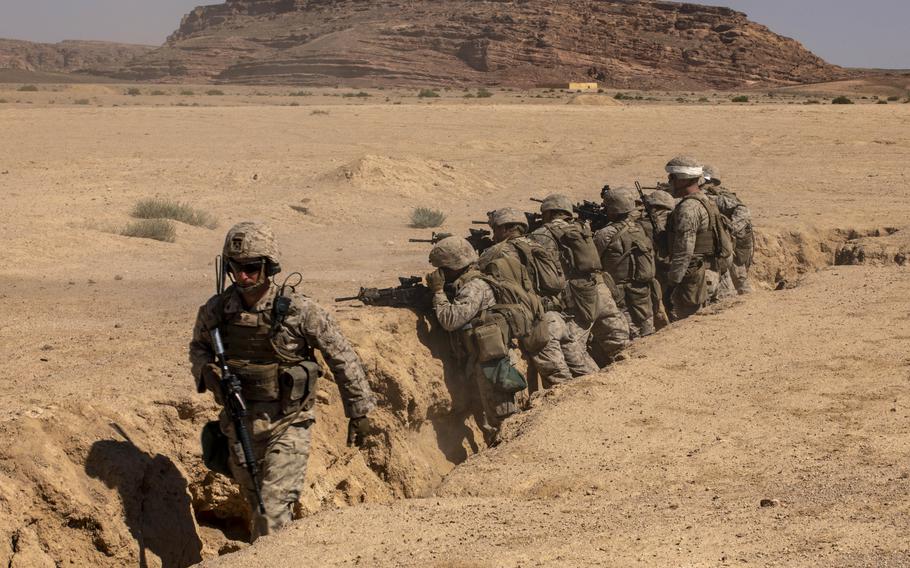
(410, 294)
(663, 186)
(588, 211)
(648, 210)
(232, 396)
(480, 239)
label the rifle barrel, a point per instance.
(347, 299)
(422, 241)
(535, 200)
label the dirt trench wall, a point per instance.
(117, 484)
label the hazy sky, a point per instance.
(867, 33)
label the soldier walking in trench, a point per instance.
(269, 336)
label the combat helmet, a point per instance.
(507, 216)
(557, 202)
(661, 200)
(685, 167)
(249, 241)
(453, 253)
(711, 174)
(619, 201)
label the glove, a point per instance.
(436, 280)
(211, 381)
(358, 429)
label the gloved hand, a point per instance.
(436, 280)
(358, 429)
(211, 380)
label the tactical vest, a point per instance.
(267, 372)
(704, 239)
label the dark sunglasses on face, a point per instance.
(247, 268)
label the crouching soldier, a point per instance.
(471, 306)
(269, 334)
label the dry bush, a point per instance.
(214, 92)
(159, 208)
(426, 218)
(740, 99)
(841, 101)
(157, 229)
(27, 88)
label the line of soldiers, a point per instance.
(588, 285)
(568, 293)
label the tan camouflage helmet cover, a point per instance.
(557, 202)
(454, 253)
(661, 200)
(251, 240)
(712, 173)
(508, 216)
(619, 201)
(685, 167)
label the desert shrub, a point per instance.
(214, 92)
(293, 104)
(469, 96)
(426, 218)
(812, 102)
(159, 208)
(682, 100)
(157, 229)
(881, 102)
(740, 99)
(841, 101)
(427, 93)
(3, 101)
(28, 88)
(133, 92)
(157, 93)
(187, 93)
(621, 96)
(300, 94)
(361, 94)
(82, 102)
(319, 111)
(894, 98)
(483, 94)
(703, 100)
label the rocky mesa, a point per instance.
(521, 43)
(71, 56)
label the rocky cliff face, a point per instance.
(522, 43)
(68, 56)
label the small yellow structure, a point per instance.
(582, 86)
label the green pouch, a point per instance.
(215, 449)
(503, 376)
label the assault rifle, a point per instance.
(648, 210)
(232, 396)
(663, 186)
(410, 294)
(588, 211)
(480, 239)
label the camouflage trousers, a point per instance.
(565, 355)
(736, 281)
(495, 404)
(282, 447)
(610, 333)
(639, 309)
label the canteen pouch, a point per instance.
(489, 342)
(298, 386)
(587, 302)
(258, 381)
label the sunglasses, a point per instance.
(246, 268)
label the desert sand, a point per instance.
(796, 397)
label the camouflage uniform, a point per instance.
(565, 355)
(260, 350)
(689, 276)
(471, 297)
(638, 307)
(661, 203)
(740, 223)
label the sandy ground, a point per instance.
(662, 460)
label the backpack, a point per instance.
(630, 255)
(518, 311)
(544, 270)
(576, 246)
(721, 230)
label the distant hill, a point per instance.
(524, 43)
(19, 58)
